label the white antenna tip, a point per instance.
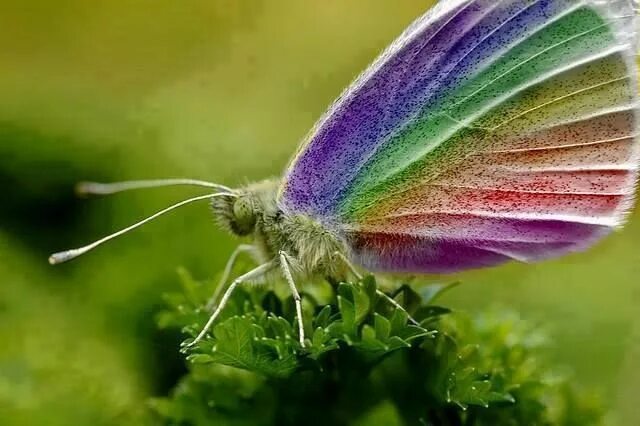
(90, 188)
(65, 256)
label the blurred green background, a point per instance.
(221, 90)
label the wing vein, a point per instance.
(560, 147)
(588, 220)
(561, 98)
(525, 191)
(589, 168)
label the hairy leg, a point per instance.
(348, 264)
(286, 270)
(243, 248)
(249, 276)
(379, 292)
(397, 305)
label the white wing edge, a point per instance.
(620, 12)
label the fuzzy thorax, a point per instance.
(254, 213)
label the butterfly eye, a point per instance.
(244, 215)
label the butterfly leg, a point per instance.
(379, 292)
(248, 277)
(286, 270)
(397, 305)
(243, 248)
(348, 264)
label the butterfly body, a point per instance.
(310, 245)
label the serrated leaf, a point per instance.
(471, 364)
(382, 326)
(370, 342)
(396, 343)
(467, 391)
(361, 303)
(359, 298)
(344, 290)
(280, 327)
(398, 321)
(321, 342)
(323, 318)
(370, 287)
(348, 313)
(237, 345)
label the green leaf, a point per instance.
(477, 371)
(370, 287)
(348, 313)
(200, 359)
(237, 345)
(411, 300)
(362, 301)
(430, 293)
(430, 313)
(476, 392)
(382, 326)
(321, 343)
(370, 342)
(398, 321)
(323, 318)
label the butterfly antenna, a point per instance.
(65, 256)
(97, 188)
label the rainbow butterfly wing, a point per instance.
(489, 131)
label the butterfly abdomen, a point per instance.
(315, 243)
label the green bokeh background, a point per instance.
(220, 90)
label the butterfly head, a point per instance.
(241, 212)
(237, 214)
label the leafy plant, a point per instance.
(364, 363)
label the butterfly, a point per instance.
(489, 131)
